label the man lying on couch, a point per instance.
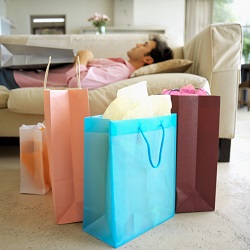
(94, 72)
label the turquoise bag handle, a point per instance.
(149, 150)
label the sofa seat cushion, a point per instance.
(30, 100)
(4, 96)
(26, 100)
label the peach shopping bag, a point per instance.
(64, 112)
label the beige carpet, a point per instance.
(27, 221)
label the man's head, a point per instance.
(153, 51)
(161, 52)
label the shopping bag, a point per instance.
(129, 176)
(16, 56)
(64, 112)
(197, 151)
(34, 165)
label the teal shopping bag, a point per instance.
(129, 176)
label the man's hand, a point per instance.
(85, 56)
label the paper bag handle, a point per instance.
(46, 74)
(149, 150)
(77, 73)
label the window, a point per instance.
(48, 24)
(235, 11)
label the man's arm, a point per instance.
(85, 56)
(101, 75)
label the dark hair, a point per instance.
(162, 51)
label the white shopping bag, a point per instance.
(34, 165)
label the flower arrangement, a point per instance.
(99, 20)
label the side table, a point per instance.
(244, 88)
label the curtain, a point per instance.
(198, 16)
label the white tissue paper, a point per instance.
(134, 102)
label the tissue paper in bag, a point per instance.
(133, 102)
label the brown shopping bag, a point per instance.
(197, 151)
(34, 165)
(64, 112)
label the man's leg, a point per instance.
(7, 79)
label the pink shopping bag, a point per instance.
(64, 112)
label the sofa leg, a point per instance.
(9, 141)
(224, 150)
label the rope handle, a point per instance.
(78, 72)
(149, 150)
(46, 74)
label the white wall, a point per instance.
(2, 8)
(124, 13)
(5, 24)
(77, 12)
(164, 13)
(158, 13)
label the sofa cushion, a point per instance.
(100, 98)
(168, 66)
(26, 100)
(4, 96)
(30, 100)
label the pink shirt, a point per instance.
(97, 73)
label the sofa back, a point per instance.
(103, 46)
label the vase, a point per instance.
(101, 30)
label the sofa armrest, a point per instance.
(215, 49)
(216, 53)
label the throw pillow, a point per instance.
(168, 66)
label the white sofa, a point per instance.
(216, 56)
